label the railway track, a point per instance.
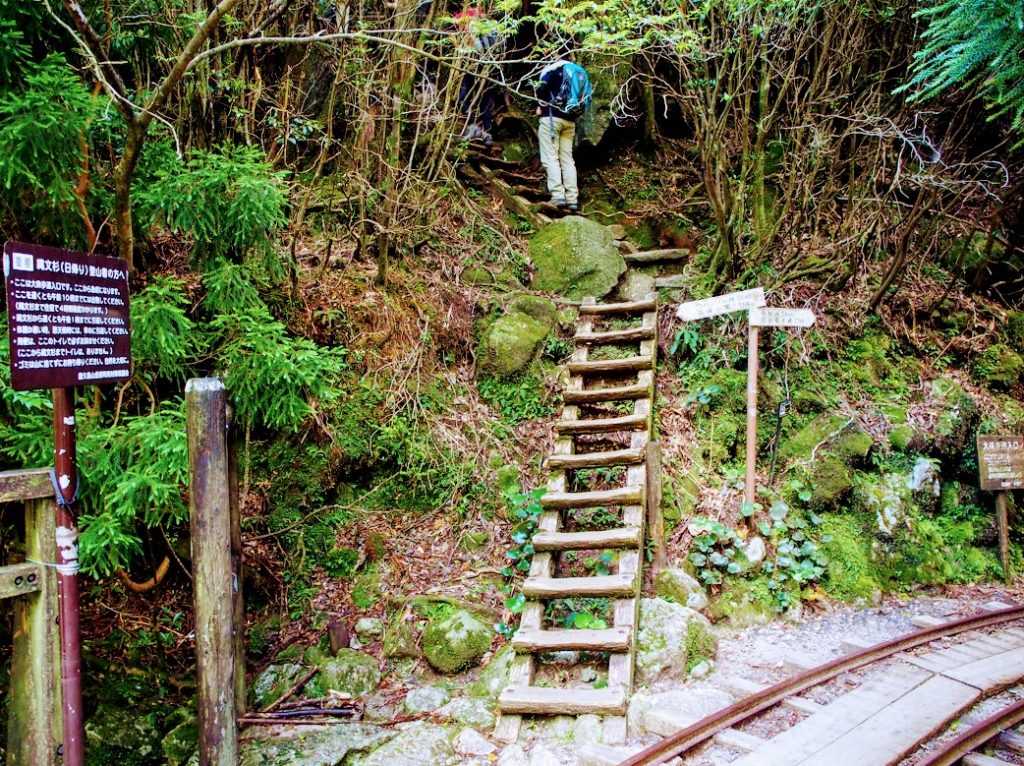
(885, 719)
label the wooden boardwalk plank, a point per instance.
(991, 673)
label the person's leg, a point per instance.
(547, 137)
(566, 135)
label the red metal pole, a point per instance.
(67, 575)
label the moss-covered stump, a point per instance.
(456, 642)
(494, 677)
(577, 258)
(509, 345)
(308, 745)
(671, 639)
(422, 744)
(351, 672)
(116, 735)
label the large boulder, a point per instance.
(494, 677)
(182, 739)
(577, 258)
(274, 681)
(838, 446)
(674, 584)
(422, 744)
(509, 345)
(456, 642)
(891, 497)
(308, 745)
(671, 639)
(351, 672)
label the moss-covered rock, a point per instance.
(514, 151)
(494, 677)
(351, 672)
(956, 424)
(901, 438)
(309, 745)
(509, 345)
(838, 446)
(422, 744)
(456, 642)
(470, 712)
(675, 585)
(577, 258)
(426, 699)
(999, 366)
(635, 285)
(670, 640)
(608, 75)
(182, 739)
(401, 638)
(117, 734)
(891, 497)
(536, 307)
(274, 681)
(744, 603)
(851, 575)
(476, 276)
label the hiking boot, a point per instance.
(573, 207)
(471, 132)
(557, 201)
(486, 138)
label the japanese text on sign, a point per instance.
(765, 317)
(68, 317)
(1001, 462)
(721, 304)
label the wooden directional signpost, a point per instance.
(68, 317)
(753, 302)
(1001, 469)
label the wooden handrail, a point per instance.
(21, 486)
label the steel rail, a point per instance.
(704, 729)
(971, 739)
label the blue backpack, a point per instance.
(575, 94)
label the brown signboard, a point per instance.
(68, 316)
(1001, 462)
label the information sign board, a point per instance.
(721, 304)
(764, 317)
(68, 317)
(1001, 462)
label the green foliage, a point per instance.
(520, 399)
(230, 201)
(714, 552)
(581, 613)
(973, 44)
(42, 126)
(134, 472)
(275, 380)
(26, 418)
(525, 510)
(164, 340)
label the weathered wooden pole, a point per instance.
(751, 479)
(1003, 520)
(66, 476)
(214, 580)
(35, 723)
(655, 518)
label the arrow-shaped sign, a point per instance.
(721, 304)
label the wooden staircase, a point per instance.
(581, 444)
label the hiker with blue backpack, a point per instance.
(564, 94)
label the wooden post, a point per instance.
(655, 518)
(213, 578)
(751, 479)
(1002, 517)
(35, 721)
(238, 602)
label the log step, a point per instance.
(614, 394)
(619, 496)
(605, 640)
(616, 336)
(612, 365)
(527, 700)
(632, 307)
(658, 256)
(624, 537)
(632, 456)
(565, 587)
(601, 425)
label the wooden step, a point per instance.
(601, 425)
(633, 307)
(606, 640)
(612, 394)
(977, 759)
(565, 587)
(534, 700)
(633, 456)
(658, 256)
(611, 365)
(625, 537)
(618, 496)
(616, 336)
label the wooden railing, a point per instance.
(34, 727)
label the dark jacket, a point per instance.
(549, 85)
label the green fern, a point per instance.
(164, 340)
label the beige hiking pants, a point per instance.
(555, 136)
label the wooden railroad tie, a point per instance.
(563, 505)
